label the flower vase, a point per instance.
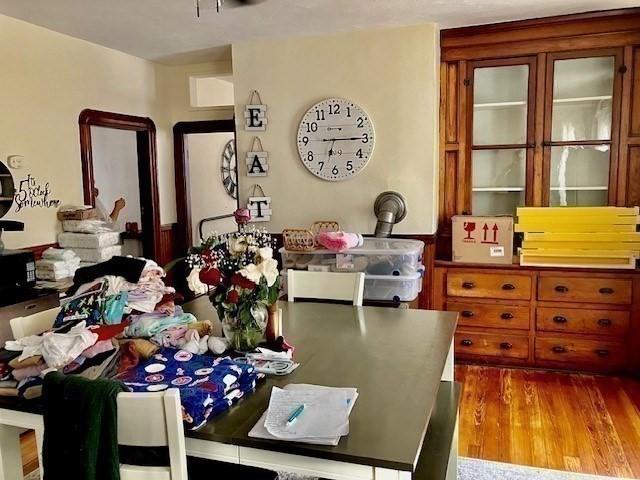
(246, 336)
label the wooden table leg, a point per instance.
(10, 454)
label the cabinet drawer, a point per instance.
(489, 285)
(493, 345)
(493, 315)
(596, 354)
(30, 306)
(575, 320)
(592, 290)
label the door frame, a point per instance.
(147, 169)
(183, 200)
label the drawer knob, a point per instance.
(468, 285)
(466, 342)
(558, 349)
(606, 291)
(506, 316)
(604, 322)
(467, 313)
(602, 353)
(561, 289)
(559, 319)
(508, 286)
(506, 346)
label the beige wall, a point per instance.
(393, 75)
(47, 79)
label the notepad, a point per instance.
(324, 420)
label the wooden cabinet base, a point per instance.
(592, 324)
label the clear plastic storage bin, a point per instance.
(398, 289)
(378, 256)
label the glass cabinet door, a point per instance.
(579, 133)
(500, 136)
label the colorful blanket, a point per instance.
(207, 385)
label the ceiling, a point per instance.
(168, 31)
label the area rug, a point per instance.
(474, 469)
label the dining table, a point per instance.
(403, 424)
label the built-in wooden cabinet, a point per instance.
(542, 112)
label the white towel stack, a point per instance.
(57, 264)
(91, 247)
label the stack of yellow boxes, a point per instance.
(588, 237)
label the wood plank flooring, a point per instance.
(580, 423)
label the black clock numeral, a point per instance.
(365, 138)
(334, 109)
(348, 112)
(320, 114)
(335, 170)
(312, 127)
(305, 140)
(359, 153)
(349, 165)
(310, 156)
(321, 165)
(360, 122)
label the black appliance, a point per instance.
(17, 271)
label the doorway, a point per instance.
(118, 154)
(206, 179)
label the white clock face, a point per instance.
(335, 139)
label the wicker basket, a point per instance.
(304, 240)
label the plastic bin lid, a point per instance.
(376, 246)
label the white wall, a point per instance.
(207, 194)
(393, 74)
(115, 169)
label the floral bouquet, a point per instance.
(239, 271)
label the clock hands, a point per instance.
(331, 147)
(341, 139)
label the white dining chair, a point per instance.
(33, 324)
(153, 420)
(325, 286)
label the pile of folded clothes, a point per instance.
(120, 321)
(57, 264)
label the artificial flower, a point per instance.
(210, 276)
(194, 283)
(233, 297)
(265, 253)
(267, 269)
(242, 281)
(251, 272)
(238, 245)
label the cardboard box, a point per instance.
(477, 239)
(80, 214)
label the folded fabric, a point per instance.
(57, 265)
(100, 346)
(340, 241)
(103, 365)
(30, 388)
(127, 267)
(8, 392)
(26, 372)
(203, 327)
(88, 240)
(58, 254)
(170, 337)
(86, 226)
(57, 349)
(107, 332)
(88, 306)
(27, 362)
(205, 383)
(80, 428)
(114, 308)
(144, 348)
(129, 357)
(147, 325)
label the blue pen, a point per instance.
(298, 411)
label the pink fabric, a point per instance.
(26, 372)
(339, 241)
(100, 346)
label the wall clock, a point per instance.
(335, 139)
(229, 169)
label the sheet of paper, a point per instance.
(326, 413)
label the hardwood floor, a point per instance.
(580, 423)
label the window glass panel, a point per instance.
(500, 105)
(496, 203)
(582, 99)
(579, 175)
(498, 181)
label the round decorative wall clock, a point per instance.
(229, 169)
(335, 139)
